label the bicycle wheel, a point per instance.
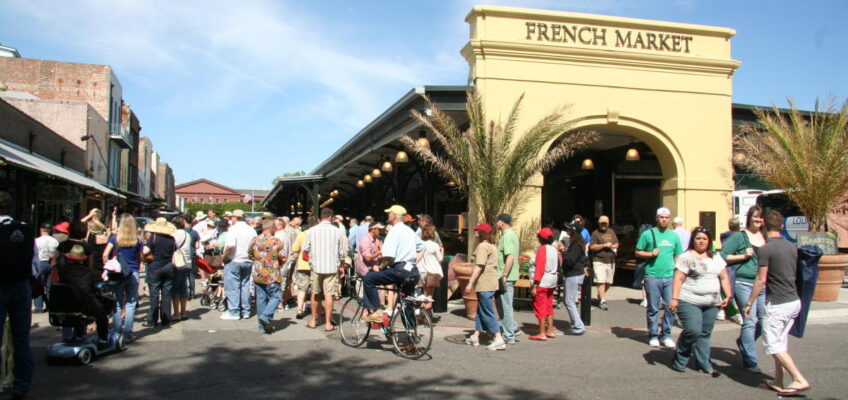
(353, 329)
(411, 339)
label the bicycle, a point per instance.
(351, 282)
(411, 339)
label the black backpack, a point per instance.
(16, 251)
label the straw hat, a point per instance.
(161, 226)
(77, 253)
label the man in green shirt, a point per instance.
(508, 269)
(659, 246)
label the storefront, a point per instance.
(658, 94)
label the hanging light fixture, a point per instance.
(376, 173)
(422, 139)
(632, 154)
(401, 157)
(367, 178)
(387, 165)
(451, 184)
(360, 184)
(587, 164)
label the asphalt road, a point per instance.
(206, 358)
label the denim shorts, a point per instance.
(179, 289)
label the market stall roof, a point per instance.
(22, 158)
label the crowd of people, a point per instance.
(269, 263)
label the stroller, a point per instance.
(213, 294)
(68, 310)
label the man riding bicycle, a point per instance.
(400, 250)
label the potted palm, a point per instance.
(804, 154)
(490, 160)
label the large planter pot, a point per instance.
(831, 274)
(463, 275)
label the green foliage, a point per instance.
(192, 208)
(488, 164)
(286, 175)
(806, 155)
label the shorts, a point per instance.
(325, 283)
(603, 271)
(777, 322)
(302, 280)
(543, 302)
(179, 288)
(429, 280)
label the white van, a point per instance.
(742, 201)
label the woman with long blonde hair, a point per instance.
(128, 248)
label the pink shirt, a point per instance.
(366, 247)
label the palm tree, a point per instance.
(805, 155)
(486, 161)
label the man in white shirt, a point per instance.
(46, 245)
(400, 252)
(237, 271)
(681, 232)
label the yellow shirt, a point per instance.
(297, 248)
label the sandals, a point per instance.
(538, 338)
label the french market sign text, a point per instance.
(592, 36)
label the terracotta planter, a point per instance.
(463, 275)
(831, 274)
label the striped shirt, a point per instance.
(326, 248)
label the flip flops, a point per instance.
(538, 338)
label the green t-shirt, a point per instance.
(661, 266)
(508, 245)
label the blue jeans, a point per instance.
(126, 294)
(179, 289)
(394, 275)
(751, 326)
(508, 324)
(192, 277)
(698, 322)
(160, 280)
(44, 269)
(658, 289)
(268, 297)
(16, 302)
(237, 288)
(572, 290)
(487, 320)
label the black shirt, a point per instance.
(163, 248)
(574, 260)
(781, 258)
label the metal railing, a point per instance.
(121, 134)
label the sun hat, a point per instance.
(377, 226)
(339, 217)
(396, 209)
(483, 227)
(545, 233)
(238, 213)
(63, 227)
(663, 211)
(96, 227)
(77, 253)
(504, 217)
(161, 226)
(603, 219)
(267, 214)
(228, 214)
(210, 222)
(200, 216)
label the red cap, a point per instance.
(408, 218)
(545, 233)
(63, 227)
(483, 227)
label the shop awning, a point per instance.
(22, 158)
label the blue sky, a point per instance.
(242, 91)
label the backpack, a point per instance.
(16, 251)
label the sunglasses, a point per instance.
(701, 229)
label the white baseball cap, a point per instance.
(678, 220)
(663, 211)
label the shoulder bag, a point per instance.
(177, 258)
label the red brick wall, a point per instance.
(200, 192)
(16, 126)
(59, 80)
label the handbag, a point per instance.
(501, 286)
(177, 258)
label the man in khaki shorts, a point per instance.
(301, 275)
(603, 245)
(325, 245)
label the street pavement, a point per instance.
(207, 358)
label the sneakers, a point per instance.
(421, 298)
(720, 316)
(667, 342)
(737, 319)
(654, 342)
(497, 345)
(266, 325)
(518, 332)
(604, 306)
(230, 317)
(644, 303)
(472, 341)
